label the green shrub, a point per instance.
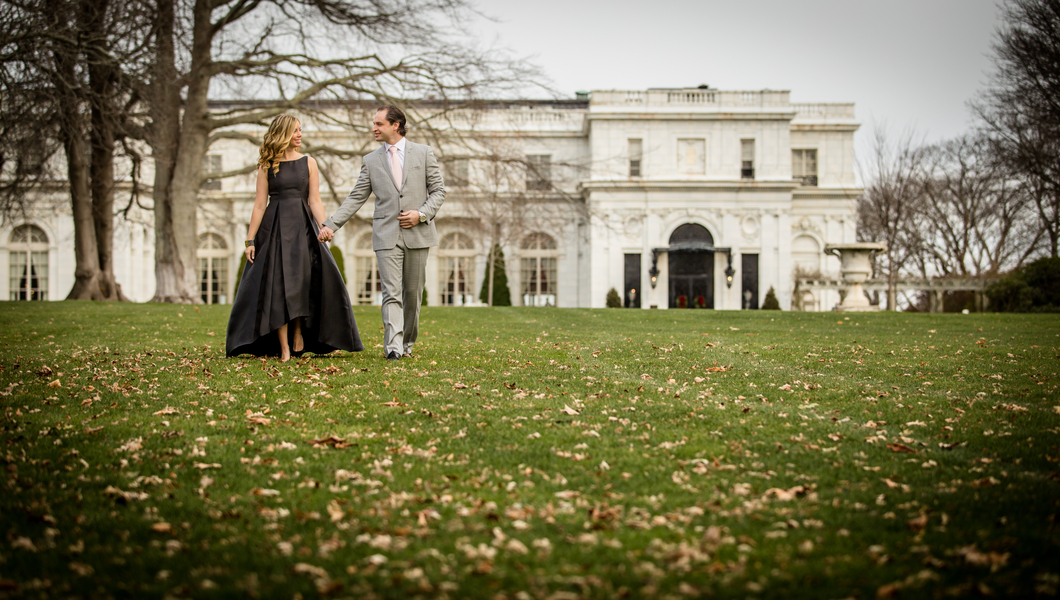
(771, 302)
(336, 252)
(423, 301)
(1033, 288)
(613, 299)
(501, 295)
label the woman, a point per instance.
(291, 296)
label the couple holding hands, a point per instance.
(292, 298)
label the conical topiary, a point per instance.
(502, 296)
(336, 253)
(613, 299)
(771, 302)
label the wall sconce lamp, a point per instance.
(653, 272)
(729, 272)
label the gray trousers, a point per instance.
(402, 272)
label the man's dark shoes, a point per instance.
(393, 356)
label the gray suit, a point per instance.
(402, 253)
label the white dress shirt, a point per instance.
(400, 152)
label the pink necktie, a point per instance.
(395, 166)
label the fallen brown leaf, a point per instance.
(334, 442)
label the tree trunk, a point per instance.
(492, 267)
(70, 103)
(1053, 226)
(101, 80)
(892, 284)
(86, 256)
(176, 270)
(164, 100)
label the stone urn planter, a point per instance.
(855, 267)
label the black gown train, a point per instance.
(293, 275)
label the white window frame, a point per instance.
(798, 166)
(211, 165)
(213, 254)
(368, 288)
(538, 270)
(28, 254)
(456, 270)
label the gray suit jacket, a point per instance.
(422, 190)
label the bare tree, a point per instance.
(974, 220)
(1020, 110)
(292, 54)
(508, 193)
(888, 208)
(63, 88)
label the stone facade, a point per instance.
(682, 184)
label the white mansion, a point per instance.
(673, 197)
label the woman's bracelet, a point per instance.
(248, 243)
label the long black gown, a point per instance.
(293, 275)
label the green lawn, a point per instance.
(532, 453)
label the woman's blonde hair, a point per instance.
(277, 141)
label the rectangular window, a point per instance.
(456, 172)
(636, 154)
(692, 157)
(28, 275)
(538, 172)
(538, 276)
(211, 165)
(632, 295)
(456, 273)
(747, 159)
(213, 280)
(369, 287)
(804, 166)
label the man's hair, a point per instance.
(394, 115)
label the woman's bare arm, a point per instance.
(316, 206)
(261, 196)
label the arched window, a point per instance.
(456, 269)
(28, 260)
(537, 269)
(691, 232)
(806, 255)
(213, 268)
(368, 287)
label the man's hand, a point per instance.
(409, 219)
(326, 234)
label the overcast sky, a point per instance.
(906, 63)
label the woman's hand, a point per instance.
(250, 253)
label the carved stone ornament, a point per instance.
(805, 224)
(633, 224)
(749, 226)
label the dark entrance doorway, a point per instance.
(749, 292)
(691, 267)
(631, 295)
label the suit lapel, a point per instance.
(384, 158)
(409, 158)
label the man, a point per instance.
(408, 191)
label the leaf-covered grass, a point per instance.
(533, 453)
